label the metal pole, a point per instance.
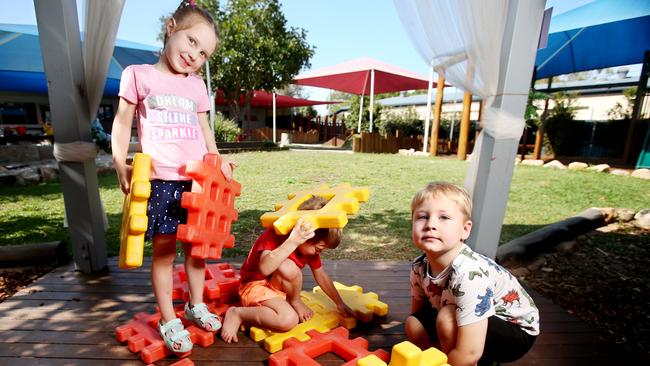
(428, 117)
(274, 125)
(210, 94)
(372, 96)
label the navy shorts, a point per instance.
(164, 207)
(504, 341)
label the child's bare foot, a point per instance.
(231, 324)
(304, 312)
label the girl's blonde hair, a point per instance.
(187, 14)
(451, 191)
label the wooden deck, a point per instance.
(67, 318)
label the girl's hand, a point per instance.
(227, 168)
(124, 177)
(301, 232)
(345, 310)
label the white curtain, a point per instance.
(101, 23)
(463, 39)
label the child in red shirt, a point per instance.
(271, 277)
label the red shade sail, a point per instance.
(354, 77)
(262, 99)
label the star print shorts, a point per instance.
(164, 207)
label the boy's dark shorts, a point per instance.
(164, 207)
(504, 342)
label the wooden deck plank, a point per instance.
(70, 318)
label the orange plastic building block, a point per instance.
(221, 283)
(408, 354)
(134, 213)
(343, 200)
(141, 335)
(211, 208)
(335, 341)
(366, 305)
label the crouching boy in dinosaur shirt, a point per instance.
(271, 277)
(462, 301)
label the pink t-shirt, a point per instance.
(168, 125)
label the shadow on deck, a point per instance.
(70, 318)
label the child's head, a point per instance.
(441, 214)
(191, 36)
(323, 238)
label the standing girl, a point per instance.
(171, 103)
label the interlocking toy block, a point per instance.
(134, 213)
(211, 208)
(408, 354)
(183, 362)
(322, 304)
(335, 341)
(365, 305)
(221, 283)
(141, 335)
(343, 200)
(273, 340)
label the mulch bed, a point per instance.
(603, 278)
(13, 280)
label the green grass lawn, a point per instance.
(381, 229)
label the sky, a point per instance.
(340, 30)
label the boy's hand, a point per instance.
(345, 310)
(227, 168)
(301, 232)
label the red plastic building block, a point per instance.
(211, 208)
(335, 341)
(141, 335)
(221, 283)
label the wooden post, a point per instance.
(437, 112)
(636, 109)
(464, 127)
(539, 136)
(334, 128)
(325, 127)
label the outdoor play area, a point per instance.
(161, 205)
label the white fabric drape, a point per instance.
(463, 39)
(101, 23)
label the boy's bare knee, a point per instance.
(446, 323)
(287, 321)
(413, 327)
(288, 270)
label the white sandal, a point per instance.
(201, 316)
(176, 338)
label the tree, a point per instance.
(559, 124)
(257, 50)
(620, 111)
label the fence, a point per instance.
(298, 137)
(373, 142)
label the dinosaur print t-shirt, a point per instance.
(478, 287)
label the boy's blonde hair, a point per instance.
(331, 237)
(451, 191)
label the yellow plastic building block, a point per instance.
(134, 213)
(273, 341)
(343, 200)
(408, 354)
(322, 304)
(366, 305)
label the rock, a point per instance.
(625, 214)
(536, 264)
(576, 165)
(566, 246)
(642, 218)
(547, 269)
(641, 173)
(613, 227)
(609, 214)
(533, 162)
(555, 164)
(517, 159)
(520, 272)
(619, 172)
(421, 153)
(48, 173)
(600, 168)
(27, 176)
(405, 151)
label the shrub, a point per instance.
(407, 123)
(559, 124)
(225, 129)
